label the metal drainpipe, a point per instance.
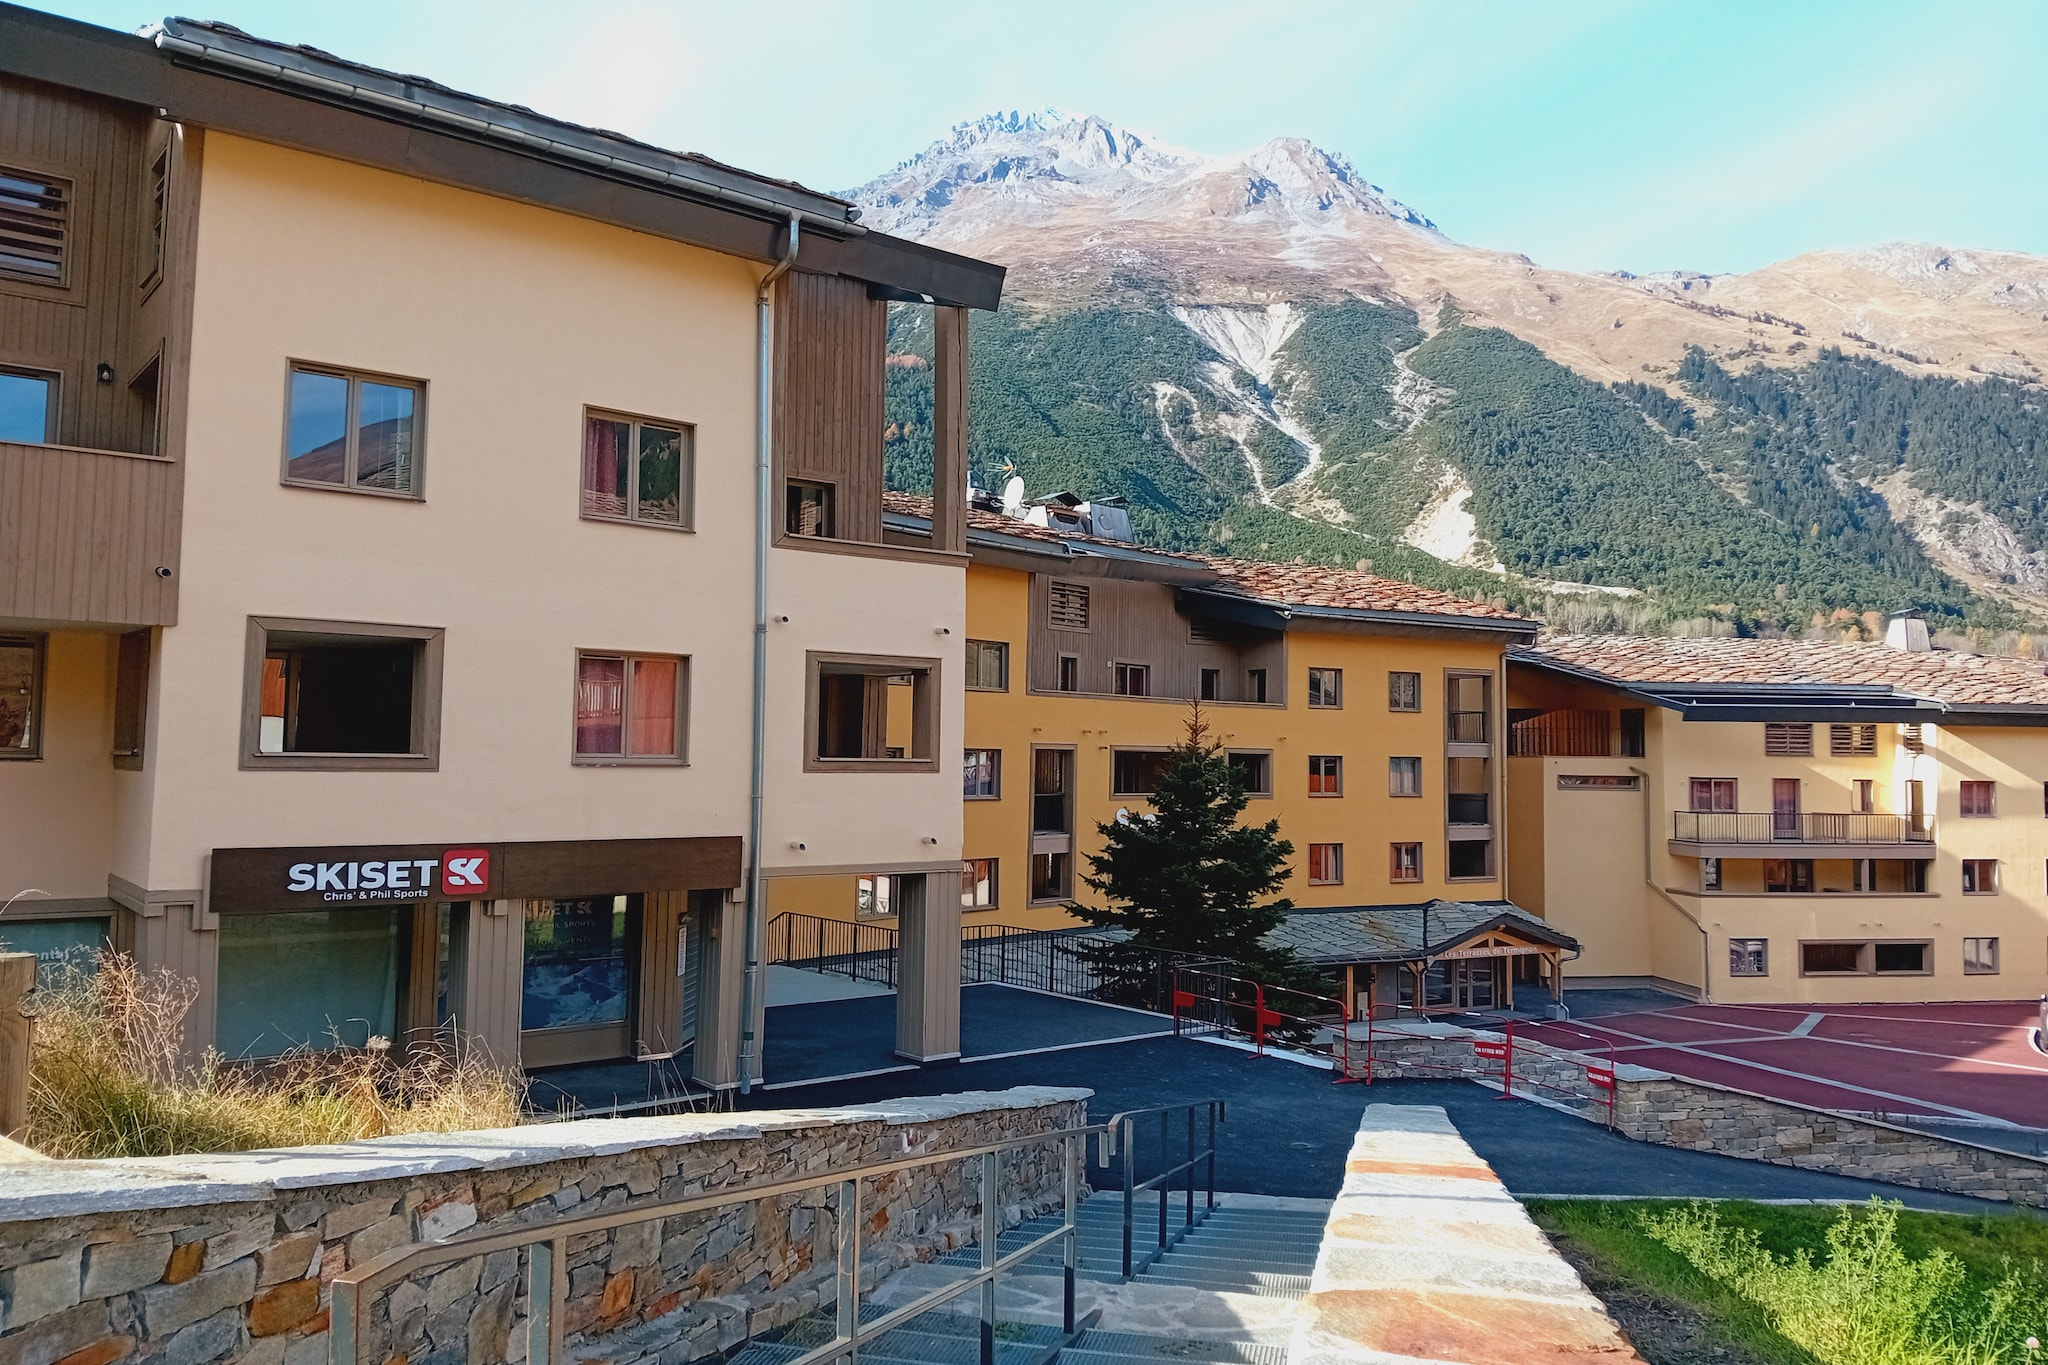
(1706, 940)
(750, 980)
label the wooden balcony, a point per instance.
(88, 536)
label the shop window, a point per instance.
(1468, 860)
(1980, 957)
(28, 403)
(1787, 739)
(1980, 876)
(978, 884)
(1788, 875)
(1066, 606)
(354, 431)
(1069, 673)
(1749, 957)
(1902, 959)
(981, 774)
(1634, 738)
(631, 708)
(69, 943)
(1254, 770)
(1255, 685)
(807, 509)
(21, 696)
(1406, 863)
(638, 471)
(1212, 690)
(1137, 772)
(35, 226)
(1326, 688)
(874, 897)
(1325, 775)
(1052, 876)
(1979, 799)
(1832, 959)
(318, 979)
(1404, 777)
(330, 694)
(988, 666)
(131, 697)
(1133, 680)
(1710, 874)
(1852, 741)
(578, 962)
(1326, 864)
(859, 722)
(1404, 691)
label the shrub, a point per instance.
(1867, 1302)
(107, 1079)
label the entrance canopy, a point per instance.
(1433, 955)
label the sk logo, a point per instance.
(465, 871)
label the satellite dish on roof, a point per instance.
(1013, 496)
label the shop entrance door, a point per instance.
(579, 979)
(1462, 984)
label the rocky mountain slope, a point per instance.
(1269, 352)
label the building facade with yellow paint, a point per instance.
(1784, 820)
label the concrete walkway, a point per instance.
(1427, 1258)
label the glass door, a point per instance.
(577, 986)
(1784, 808)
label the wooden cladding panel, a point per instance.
(1136, 623)
(949, 429)
(98, 315)
(830, 343)
(82, 533)
(1564, 734)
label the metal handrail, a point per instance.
(1119, 1135)
(1797, 827)
(548, 1258)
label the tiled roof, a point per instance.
(1942, 675)
(1373, 933)
(1280, 585)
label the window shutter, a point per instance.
(1783, 739)
(1199, 632)
(35, 225)
(1067, 606)
(1852, 740)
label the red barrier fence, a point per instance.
(1235, 1006)
(1494, 1052)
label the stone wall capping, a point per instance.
(67, 1189)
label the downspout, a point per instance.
(1706, 941)
(764, 500)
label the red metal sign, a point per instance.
(1601, 1077)
(1497, 1051)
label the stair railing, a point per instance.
(547, 1242)
(1119, 1138)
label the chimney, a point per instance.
(1907, 630)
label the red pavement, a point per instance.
(1973, 1061)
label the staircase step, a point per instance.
(1108, 1346)
(1268, 1284)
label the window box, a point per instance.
(638, 470)
(341, 695)
(356, 432)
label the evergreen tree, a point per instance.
(1186, 876)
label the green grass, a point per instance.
(1890, 1287)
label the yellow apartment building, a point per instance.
(1784, 820)
(1365, 715)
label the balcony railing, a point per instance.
(1470, 808)
(1467, 727)
(1781, 827)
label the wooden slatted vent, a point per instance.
(1067, 606)
(35, 222)
(1784, 739)
(1852, 740)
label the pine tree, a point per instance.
(1186, 876)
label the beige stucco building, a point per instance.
(383, 473)
(1784, 820)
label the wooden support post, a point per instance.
(949, 428)
(17, 979)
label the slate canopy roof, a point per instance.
(1406, 933)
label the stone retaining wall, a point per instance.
(1673, 1111)
(182, 1261)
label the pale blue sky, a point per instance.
(1592, 134)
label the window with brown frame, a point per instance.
(1254, 768)
(807, 509)
(988, 666)
(1325, 774)
(35, 226)
(1712, 793)
(981, 774)
(1749, 957)
(28, 406)
(1404, 691)
(1979, 799)
(131, 698)
(631, 708)
(1980, 876)
(1326, 864)
(21, 696)
(1980, 957)
(638, 470)
(1404, 777)
(1862, 796)
(1137, 772)
(859, 722)
(1325, 688)
(1211, 689)
(1255, 685)
(1787, 739)
(1066, 606)
(978, 888)
(341, 695)
(1134, 680)
(1406, 863)
(1069, 673)
(357, 432)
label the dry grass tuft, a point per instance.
(106, 1079)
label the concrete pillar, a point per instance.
(721, 941)
(928, 970)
